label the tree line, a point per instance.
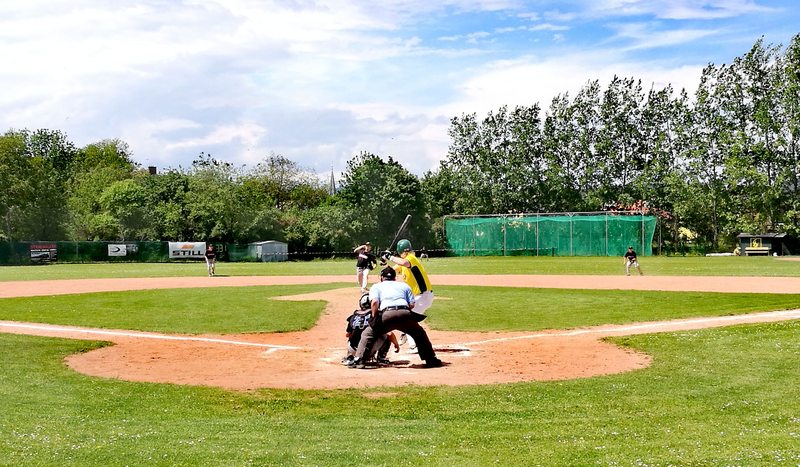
(719, 162)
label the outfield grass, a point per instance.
(724, 396)
(657, 265)
(250, 309)
(210, 310)
(520, 309)
(714, 397)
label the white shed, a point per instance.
(270, 250)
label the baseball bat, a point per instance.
(400, 230)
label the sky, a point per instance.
(319, 82)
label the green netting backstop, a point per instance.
(571, 234)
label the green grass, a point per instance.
(521, 309)
(657, 265)
(250, 309)
(723, 396)
(176, 269)
(714, 397)
(218, 310)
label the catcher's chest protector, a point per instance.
(359, 320)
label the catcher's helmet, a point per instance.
(364, 302)
(403, 245)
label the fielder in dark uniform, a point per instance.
(631, 260)
(211, 260)
(391, 305)
(365, 262)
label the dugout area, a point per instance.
(768, 244)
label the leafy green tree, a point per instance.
(660, 117)
(269, 193)
(95, 168)
(620, 154)
(497, 161)
(570, 136)
(441, 191)
(286, 184)
(381, 193)
(328, 228)
(211, 199)
(708, 144)
(15, 189)
(787, 114)
(50, 157)
(165, 199)
(111, 153)
(748, 89)
(125, 209)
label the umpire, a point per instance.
(391, 304)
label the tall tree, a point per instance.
(748, 90)
(708, 144)
(125, 203)
(166, 201)
(95, 168)
(16, 192)
(51, 156)
(570, 138)
(620, 154)
(788, 117)
(381, 193)
(211, 199)
(286, 183)
(497, 161)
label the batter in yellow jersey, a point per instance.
(414, 273)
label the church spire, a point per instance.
(332, 185)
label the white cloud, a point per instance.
(676, 9)
(247, 134)
(320, 80)
(549, 27)
(528, 81)
(646, 35)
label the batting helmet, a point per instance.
(404, 245)
(364, 302)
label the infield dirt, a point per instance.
(311, 359)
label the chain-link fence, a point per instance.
(33, 252)
(559, 234)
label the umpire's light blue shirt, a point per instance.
(391, 293)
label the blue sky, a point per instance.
(321, 81)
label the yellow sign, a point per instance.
(755, 243)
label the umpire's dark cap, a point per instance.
(388, 273)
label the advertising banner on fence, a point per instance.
(117, 250)
(187, 250)
(44, 252)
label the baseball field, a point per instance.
(549, 361)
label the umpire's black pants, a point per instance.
(403, 320)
